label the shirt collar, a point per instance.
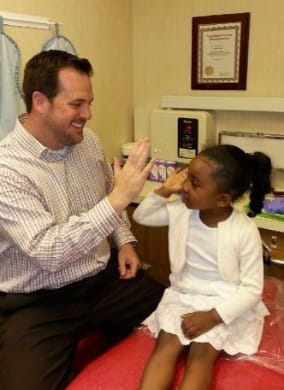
(35, 147)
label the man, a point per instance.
(60, 208)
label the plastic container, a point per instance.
(126, 150)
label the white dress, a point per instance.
(198, 287)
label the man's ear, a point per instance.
(39, 102)
(224, 199)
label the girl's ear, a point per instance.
(224, 199)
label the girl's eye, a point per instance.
(193, 182)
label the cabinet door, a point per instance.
(152, 248)
(275, 241)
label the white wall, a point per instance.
(141, 50)
(102, 31)
(162, 55)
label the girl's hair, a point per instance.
(238, 171)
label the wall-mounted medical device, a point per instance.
(179, 135)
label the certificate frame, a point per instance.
(220, 51)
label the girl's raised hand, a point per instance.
(173, 183)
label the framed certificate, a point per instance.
(220, 51)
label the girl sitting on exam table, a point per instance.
(214, 302)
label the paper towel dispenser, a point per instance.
(268, 143)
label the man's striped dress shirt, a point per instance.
(55, 218)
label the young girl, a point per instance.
(214, 301)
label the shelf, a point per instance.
(22, 20)
(264, 104)
(261, 222)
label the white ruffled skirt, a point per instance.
(242, 335)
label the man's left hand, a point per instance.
(128, 262)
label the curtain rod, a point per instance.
(22, 20)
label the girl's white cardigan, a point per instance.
(239, 250)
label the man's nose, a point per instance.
(86, 113)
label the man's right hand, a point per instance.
(129, 180)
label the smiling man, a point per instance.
(60, 207)
(58, 99)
